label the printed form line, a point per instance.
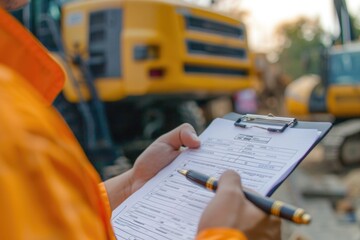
(169, 206)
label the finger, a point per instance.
(229, 179)
(229, 182)
(184, 135)
(224, 209)
(229, 188)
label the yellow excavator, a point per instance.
(336, 91)
(138, 68)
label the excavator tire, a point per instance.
(189, 112)
(341, 145)
(350, 150)
(161, 119)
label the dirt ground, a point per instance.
(331, 196)
(329, 192)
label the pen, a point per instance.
(268, 205)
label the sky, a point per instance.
(265, 15)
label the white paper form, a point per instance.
(169, 206)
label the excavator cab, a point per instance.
(336, 91)
(343, 82)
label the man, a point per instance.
(49, 190)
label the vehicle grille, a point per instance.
(195, 47)
(104, 43)
(191, 68)
(211, 26)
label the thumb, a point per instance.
(184, 135)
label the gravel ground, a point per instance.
(331, 197)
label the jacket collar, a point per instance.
(20, 51)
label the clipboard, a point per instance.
(271, 122)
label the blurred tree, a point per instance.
(228, 7)
(299, 44)
(356, 21)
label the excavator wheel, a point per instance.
(350, 151)
(159, 120)
(189, 112)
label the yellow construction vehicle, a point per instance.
(138, 68)
(336, 91)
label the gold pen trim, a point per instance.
(297, 217)
(210, 183)
(306, 218)
(276, 207)
(182, 171)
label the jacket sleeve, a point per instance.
(221, 234)
(105, 197)
(48, 188)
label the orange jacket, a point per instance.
(49, 190)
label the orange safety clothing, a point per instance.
(21, 52)
(221, 234)
(49, 190)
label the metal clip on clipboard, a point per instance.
(269, 122)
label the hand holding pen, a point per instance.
(230, 209)
(269, 206)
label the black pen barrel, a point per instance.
(276, 208)
(202, 180)
(268, 205)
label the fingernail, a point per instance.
(195, 137)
